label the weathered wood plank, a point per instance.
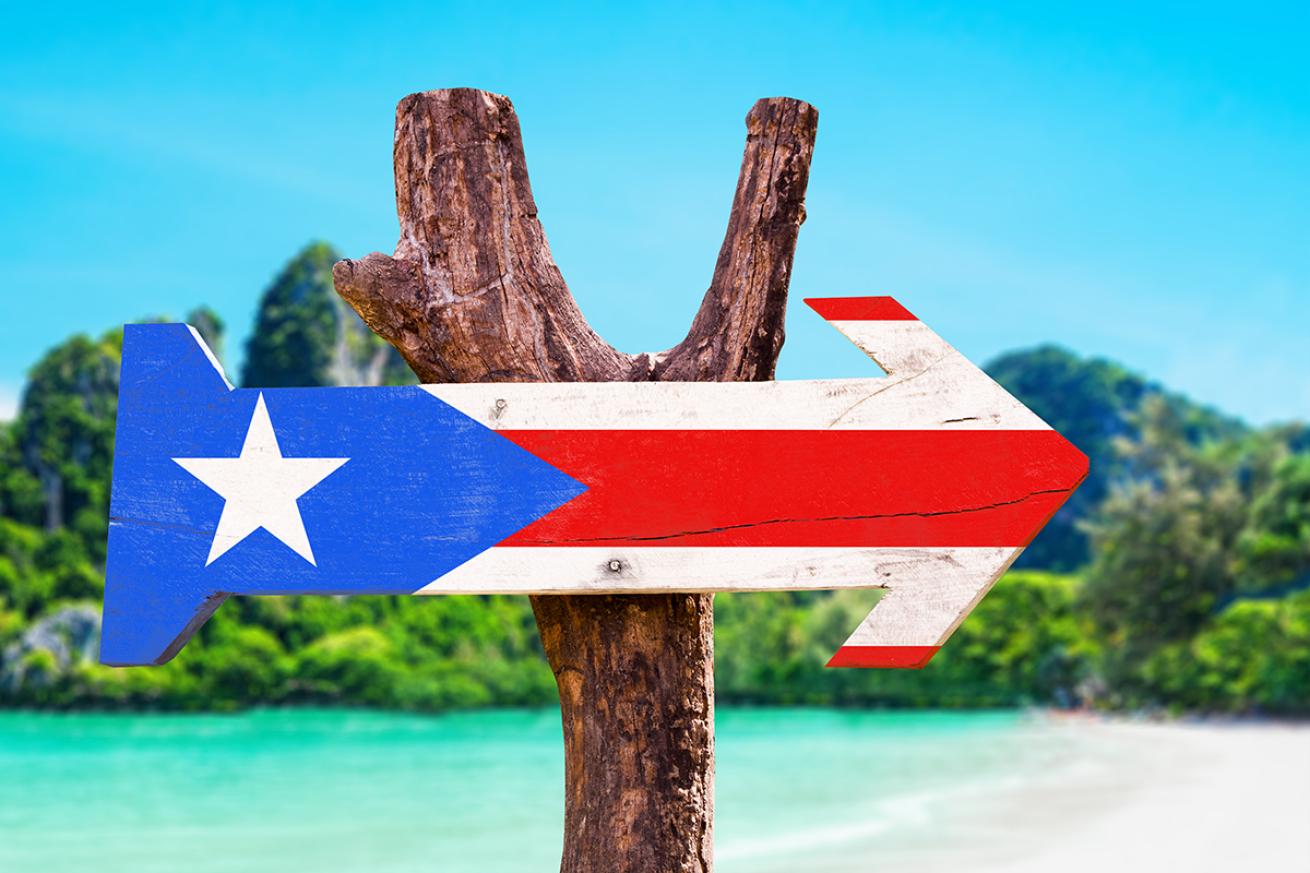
(891, 492)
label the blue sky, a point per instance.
(1126, 183)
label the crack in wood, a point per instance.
(893, 381)
(162, 525)
(816, 519)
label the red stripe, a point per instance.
(907, 657)
(859, 309)
(803, 488)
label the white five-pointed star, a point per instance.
(260, 488)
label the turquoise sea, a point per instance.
(322, 790)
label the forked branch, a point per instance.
(472, 294)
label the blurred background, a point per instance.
(1110, 209)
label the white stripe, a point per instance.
(931, 589)
(930, 386)
(204, 347)
(926, 602)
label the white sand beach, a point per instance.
(800, 791)
(1137, 796)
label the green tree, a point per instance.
(1165, 540)
(357, 665)
(305, 335)
(1254, 657)
(62, 442)
(1273, 549)
(23, 586)
(1094, 403)
(210, 327)
(241, 664)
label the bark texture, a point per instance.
(472, 294)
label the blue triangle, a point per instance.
(426, 489)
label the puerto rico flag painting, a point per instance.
(926, 482)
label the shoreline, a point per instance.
(820, 790)
(1143, 718)
(1195, 794)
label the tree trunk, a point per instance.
(472, 294)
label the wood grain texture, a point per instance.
(929, 590)
(472, 294)
(929, 386)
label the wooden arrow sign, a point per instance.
(927, 482)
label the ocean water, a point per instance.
(307, 790)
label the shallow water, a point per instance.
(298, 790)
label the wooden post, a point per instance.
(472, 294)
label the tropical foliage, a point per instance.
(1178, 577)
(305, 335)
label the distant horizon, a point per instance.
(1129, 184)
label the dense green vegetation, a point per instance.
(305, 335)
(1178, 577)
